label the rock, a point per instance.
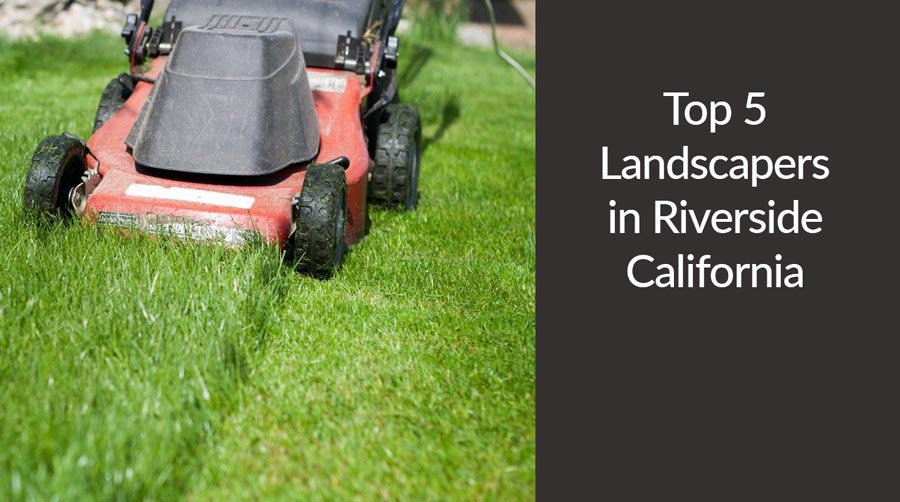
(30, 18)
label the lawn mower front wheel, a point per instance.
(320, 217)
(56, 168)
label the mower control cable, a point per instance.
(134, 45)
(500, 52)
(143, 20)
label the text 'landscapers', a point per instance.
(678, 217)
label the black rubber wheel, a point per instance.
(117, 92)
(57, 166)
(320, 217)
(373, 121)
(395, 176)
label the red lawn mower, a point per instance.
(275, 119)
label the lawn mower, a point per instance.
(277, 120)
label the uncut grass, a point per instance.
(409, 375)
(119, 358)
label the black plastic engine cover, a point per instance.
(318, 22)
(234, 99)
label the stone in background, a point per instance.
(30, 18)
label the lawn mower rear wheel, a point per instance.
(56, 168)
(114, 96)
(320, 216)
(395, 176)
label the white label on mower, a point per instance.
(190, 195)
(179, 227)
(327, 82)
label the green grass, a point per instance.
(148, 369)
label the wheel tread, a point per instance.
(111, 101)
(314, 240)
(399, 133)
(56, 166)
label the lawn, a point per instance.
(149, 369)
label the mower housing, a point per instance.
(271, 120)
(234, 99)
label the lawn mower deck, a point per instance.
(233, 208)
(214, 138)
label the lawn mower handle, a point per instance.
(146, 9)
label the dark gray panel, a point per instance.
(318, 22)
(234, 99)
